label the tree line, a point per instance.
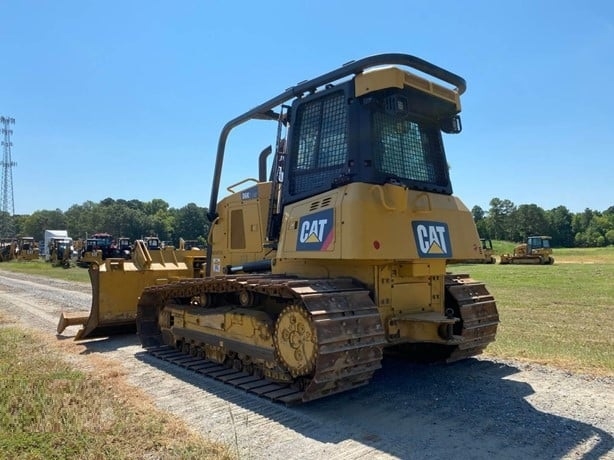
(135, 219)
(506, 221)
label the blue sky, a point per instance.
(127, 99)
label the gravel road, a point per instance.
(480, 408)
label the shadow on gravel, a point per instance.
(470, 400)
(463, 410)
(104, 344)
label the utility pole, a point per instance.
(7, 202)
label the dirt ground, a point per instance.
(480, 408)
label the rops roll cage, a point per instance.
(265, 110)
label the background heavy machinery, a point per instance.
(535, 251)
(187, 245)
(101, 246)
(96, 248)
(52, 236)
(489, 253)
(117, 283)
(60, 251)
(19, 248)
(124, 248)
(485, 254)
(8, 248)
(341, 250)
(27, 248)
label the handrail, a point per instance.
(264, 110)
(249, 179)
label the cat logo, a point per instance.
(432, 239)
(316, 231)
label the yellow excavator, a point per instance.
(338, 248)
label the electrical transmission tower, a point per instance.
(7, 202)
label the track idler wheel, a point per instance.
(295, 341)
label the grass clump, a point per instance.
(48, 410)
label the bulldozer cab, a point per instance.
(153, 243)
(488, 251)
(97, 248)
(124, 248)
(102, 242)
(538, 244)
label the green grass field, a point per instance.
(561, 314)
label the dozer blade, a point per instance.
(117, 285)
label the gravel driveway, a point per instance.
(481, 408)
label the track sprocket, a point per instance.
(295, 341)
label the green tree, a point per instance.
(479, 217)
(559, 220)
(18, 224)
(581, 221)
(191, 223)
(498, 220)
(39, 221)
(527, 220)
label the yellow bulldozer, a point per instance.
(27, 248)
(537, 250)
(338, 248)
(19, 248)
